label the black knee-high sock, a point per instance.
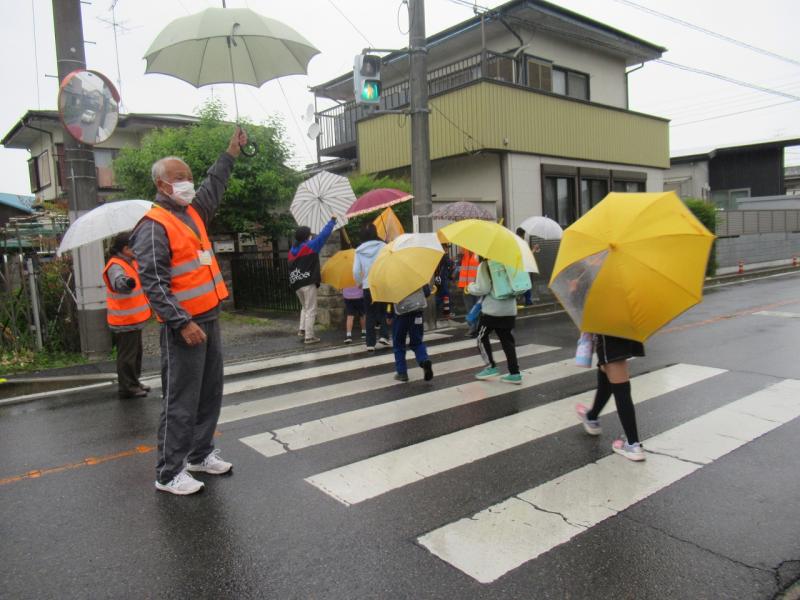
(601, 396)
(627, 415)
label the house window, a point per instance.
(592, 191)
(39, 171)
(559, 199)
(628, 186)
(539, 74)
(728, 199)
(570, 83)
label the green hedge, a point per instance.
(707, 214)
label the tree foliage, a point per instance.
(362, 184)
(707, 214)
(260, 188)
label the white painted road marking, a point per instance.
(377, 475)
(502, 537)
(342, 425)
(777, 313)
(343, 389)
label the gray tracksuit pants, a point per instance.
(191, 377)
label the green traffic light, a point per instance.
(371, 91)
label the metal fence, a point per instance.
(742, 222)
(261, 282)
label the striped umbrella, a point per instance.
(318, 199)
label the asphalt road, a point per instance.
(350, 485)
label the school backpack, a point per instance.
(414, 302)
(508, 282)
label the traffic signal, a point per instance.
(367, 79)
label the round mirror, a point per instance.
(88, 105)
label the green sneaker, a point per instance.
(487, 373)
(513, 378)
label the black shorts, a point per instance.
(612, 349)
(354, 307)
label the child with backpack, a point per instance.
(499, 287)
(407, 321)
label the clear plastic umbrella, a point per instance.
(542, 227)
(103, 222)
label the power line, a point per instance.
(351, 23)
(727, 79)
(719, 36)
(731, 114)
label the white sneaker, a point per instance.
(383, 341)
(182, 484)
(212, 464)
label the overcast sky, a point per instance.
(341, 28)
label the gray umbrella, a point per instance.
(462, 210)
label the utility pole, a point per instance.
(420, 143)
(420, 147)
(87, 261)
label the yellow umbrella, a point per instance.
(491, 240)
(338, 269)
(403, 266)
(631, 264)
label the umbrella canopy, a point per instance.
(542, 227)
(403, 266)
(338, 269)
(631, 264)
(462, 210)
(377, 199)
(491, 240)
(102, 222)
(318, 199)
(195, 48)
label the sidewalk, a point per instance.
(250, 337)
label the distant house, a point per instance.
(791, 180)
(528, 114)
(13, 205)
(727, 175)
(42, 134)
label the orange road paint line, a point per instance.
(717, 319)
(86, 462)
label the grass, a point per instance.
(26, 361)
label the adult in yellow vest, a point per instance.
(126, 311)
(184, 286)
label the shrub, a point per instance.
(707, 214)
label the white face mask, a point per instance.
(183, 192)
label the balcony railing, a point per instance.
(338, 124)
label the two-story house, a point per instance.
(528, 114)
(42, 134)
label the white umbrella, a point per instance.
(102, 222)
(542, 227)
(417, 240)
(318, 199)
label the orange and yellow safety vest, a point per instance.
(196, 279)
(468, 270)
(123, 310)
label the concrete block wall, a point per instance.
(757, 248)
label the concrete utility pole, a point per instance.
(81, 190)
(420, 148)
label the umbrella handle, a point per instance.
(249, 149)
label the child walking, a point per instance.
(613, 378)
(407, 322)
(353, 307)
(497, 315)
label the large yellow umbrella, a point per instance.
(631, 264)
(338, 269)
(491, 240)
(404, 265)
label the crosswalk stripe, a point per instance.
(359, 481)
(297, 358)
(370, 360)
(343, 389)
(342, 425)
(502, 537)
